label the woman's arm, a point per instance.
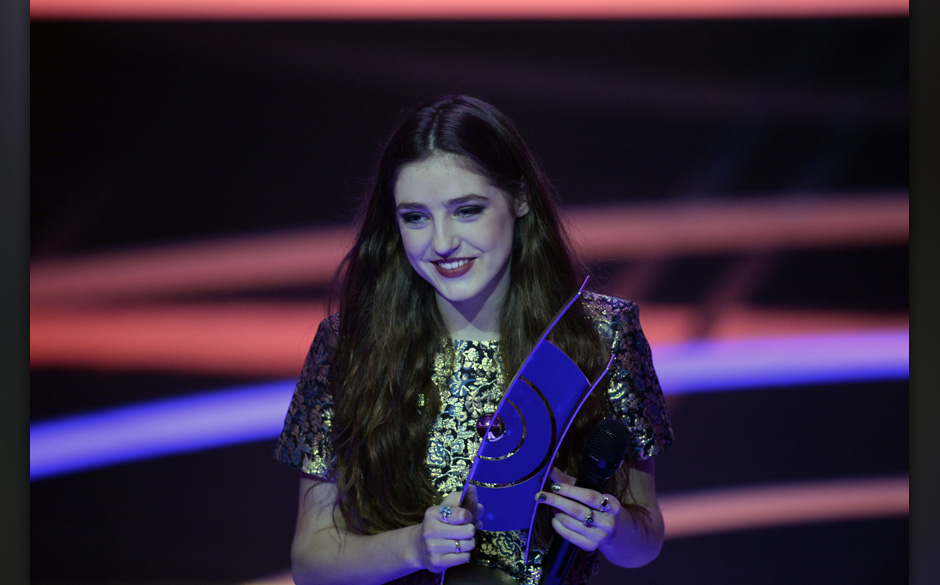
(323, 553)
(628, 530)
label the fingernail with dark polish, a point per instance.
(542, 497)
(556, 487)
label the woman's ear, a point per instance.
(522, 207)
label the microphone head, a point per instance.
(606, 448)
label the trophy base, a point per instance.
(473, 574)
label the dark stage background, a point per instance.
(146, 134)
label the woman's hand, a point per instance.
(325, 552)
(629, 532)
(583, 517)
(445, 537)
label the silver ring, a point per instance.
(605, 504)
(446, 512)
(589, 520)
(457, 544)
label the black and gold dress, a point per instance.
(469, 375)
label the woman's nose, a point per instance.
(445, 240)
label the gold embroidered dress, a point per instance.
(470, 382)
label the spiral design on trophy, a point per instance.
(525, 445)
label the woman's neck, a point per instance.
(470, 326)
(477, 320)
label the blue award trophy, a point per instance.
(524, 433)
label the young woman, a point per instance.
(460, 263)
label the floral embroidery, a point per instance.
(469, 377)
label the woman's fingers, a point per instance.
(583, 516)
(584, 540)
(559, 476)
(454, 546)
(450, 512)
(446, 534)
(590, 498)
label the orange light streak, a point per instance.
(766, 506)
(461, 9)
(782, 505)
(630, 232)
(250, 339)
(227, 264)
(272, 339)
(717, 227)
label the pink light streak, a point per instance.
(461, 9)
(311, 257)
(252, 339)
(744, 508)
(767, 506)
(100, 311)
(281, 259)
(271, 339)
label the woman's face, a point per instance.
(457, 230)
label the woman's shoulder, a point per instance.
(608, 308)
(331, 323)
(613, 317)
(327, 335)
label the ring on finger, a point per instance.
(457, 547)
(589, 519)
(446, 512)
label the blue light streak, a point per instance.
(166, 427)
(782, 361)
(256, 413)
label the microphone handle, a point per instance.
(561, 553)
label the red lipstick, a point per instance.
(453, 268)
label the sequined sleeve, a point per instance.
(634, 387)
(305, 442)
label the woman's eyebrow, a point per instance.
(407, 205)
(469, 198)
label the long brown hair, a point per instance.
(390, 328)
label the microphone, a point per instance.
(603, 454)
